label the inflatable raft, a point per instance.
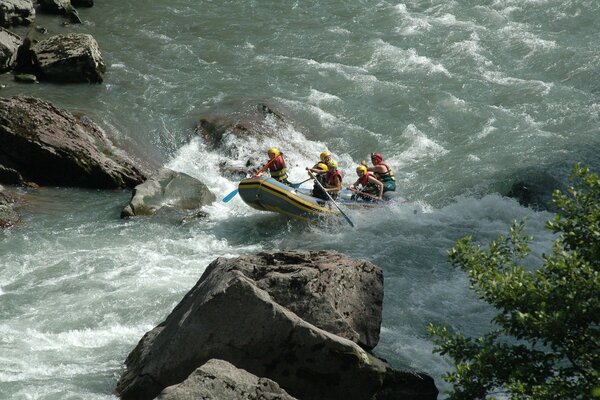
(267, 194)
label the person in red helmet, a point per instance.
(367, 187)
(382, 172)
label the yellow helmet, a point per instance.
(322, 166)
(361, 168)
(332, 165)
(324, 155)
(273, 151)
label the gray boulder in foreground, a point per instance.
(16, 12)
(71, 57)
(228, 316)
(168, 188)
(219, 380)
(46, 145)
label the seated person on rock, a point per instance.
(366, 187)
(25, 61)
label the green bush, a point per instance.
(545, 343)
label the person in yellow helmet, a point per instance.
(367, 186)
(277, 166)
(325, 157)
(333, 179)
(320, 171)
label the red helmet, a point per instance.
(377, 157)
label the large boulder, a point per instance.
(16, 12)
(220, 380)
(71, 57)
(234, 131)
(46, 145)
(223, 129)
(9, 43)
(229, 316)
(171, 189)
(62, 7)
(54, 6)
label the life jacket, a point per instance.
(367, 186)
(387, 178)
(277, 169)
(330, 176)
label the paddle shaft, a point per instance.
(365, 194)
(265, 166)
(297, 185)
(331, 198)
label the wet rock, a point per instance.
(168, 188)
(219, 380)
(8, 214)
(54, 6)
(241, 311)
(26, 78)
(9, 43)
(10, 176)
(62, 7)
(16, 12)
(50, 146)
(82, 3)
(535, 188)
(224, 130)
(72, 57)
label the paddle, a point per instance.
(234, 192)
(297, 185)
(330, 198)
(365, 194)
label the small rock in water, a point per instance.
(26, 78)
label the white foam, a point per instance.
(488, 129)
(403, 60)
(318, 97)
(420, 146)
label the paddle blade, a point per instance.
(230, 196)
(347, 219)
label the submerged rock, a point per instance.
(236, 131)
(220, 380)
(72, 57)
(168, 188)
(50, 146)
(258, 120)
(241, 311)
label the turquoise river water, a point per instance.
(464, 98)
